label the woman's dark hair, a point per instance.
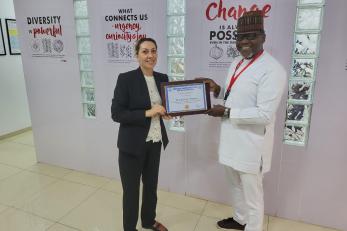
(140, 41)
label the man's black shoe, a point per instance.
(230, 223)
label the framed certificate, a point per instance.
(2, 42)
(12, 36)
(186, 97)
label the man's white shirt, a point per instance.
(246, 139)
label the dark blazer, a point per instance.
(130, 101)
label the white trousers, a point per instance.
(247, 198)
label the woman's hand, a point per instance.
(156, 110)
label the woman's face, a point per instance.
(147, 56)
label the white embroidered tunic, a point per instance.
(246, 139)
(154, 133)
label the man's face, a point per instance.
(147, 56)
(248, 44)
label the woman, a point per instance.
(137, 106)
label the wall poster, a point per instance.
(44, 30)
(220, 29)
(46, 36)
(123, 24)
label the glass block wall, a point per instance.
(84, 54)
(303, 71)
(176, 10)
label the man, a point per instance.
(253, 90)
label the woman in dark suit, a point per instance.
(137, 106)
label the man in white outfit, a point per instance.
(253, 90)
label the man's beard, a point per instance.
(247, 50)
(250, 56)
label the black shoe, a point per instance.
(230, 223)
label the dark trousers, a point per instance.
(131, 168)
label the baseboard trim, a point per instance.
(2, 137)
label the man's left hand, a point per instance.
(216, 111)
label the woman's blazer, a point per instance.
(130, 101)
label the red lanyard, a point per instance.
(235, 77)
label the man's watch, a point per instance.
(226, 112)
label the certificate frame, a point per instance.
(177, 84)
(2, 41)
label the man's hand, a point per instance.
(214, 87)
(216, 111)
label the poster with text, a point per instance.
(45, 30)
(46, 35)
(219, 32)
(125, 22)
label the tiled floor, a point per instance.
(35, 197)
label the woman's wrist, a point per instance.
(148, 113)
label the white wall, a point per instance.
(14, 112)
